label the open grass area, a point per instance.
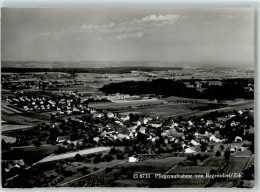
(238, 164)
(29, 154)
(19, 119)
(214, 162)
(12, 127)
(126, 104)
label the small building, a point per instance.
(125, 117)
(156, 124)
(189, 150)
(230, 115)
(133, 159)
(110, 115)
(96, 139)
(122, 136)
(238, 139)
(195, 143)
(62, 139)
(213, 138)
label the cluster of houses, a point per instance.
(35, 85)
(190, 135)
(63, 104)
(12, 167)
(249, 87)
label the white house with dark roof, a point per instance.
(156, 124)
(125, 117)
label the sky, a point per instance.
(213, 36)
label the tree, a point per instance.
(252, 148)
(203, 147)
(120, 156)
(78, 157)
(248, 173)
(212, 172)
(108, 158)
(37, 143)
(97, 159)
(108, 169)
(218, 154)
(227, 155)
(84, 170)
(95, 168)
(113, 151)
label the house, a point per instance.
(173, 132)
(122, 136)
(132, 134)
(96, 139)
(241, 148)
(230, 115)
(68, 112)
(125, 117)
(156, 124)
(146, 120)
(238, 139)
(98, 115)
(138, 123)
(195, 143)
(62, 139)
(92, 111)
(19, 162)
(190, 123)
(209, 122)
(213, 138)
(155, 139)
(233, 124)
(142, 130)
(133, 159)
(110, 115)
(240, 112)
(189, 150)
(163, 134)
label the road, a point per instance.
(72, 154)
(8, 109)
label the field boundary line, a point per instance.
(90, 174)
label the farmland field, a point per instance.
(19, 119)
(163, 111)
(29, 154)
(175, 110)
(215, 162)
(124, 104)
(12, 127)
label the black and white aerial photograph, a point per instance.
(127, 97)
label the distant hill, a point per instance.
(115, 70)
(85, 64)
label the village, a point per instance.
(68, 121)
(134, 137)
(128, 97)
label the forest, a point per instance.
(229, 90)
